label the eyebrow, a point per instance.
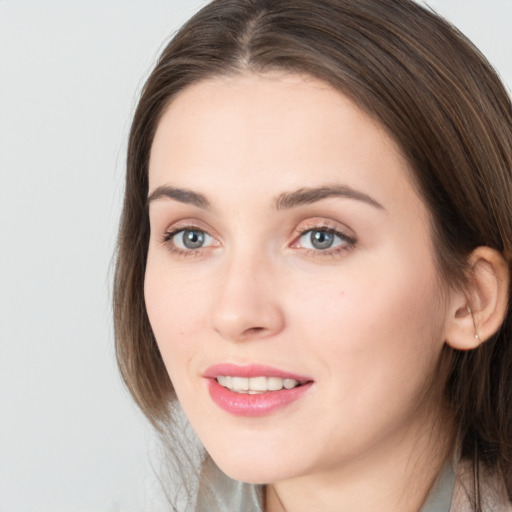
(284, 201)
(179, 194)
(311, 195)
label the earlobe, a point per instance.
(478, 312)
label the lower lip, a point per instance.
(242, 404)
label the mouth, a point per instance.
(254, 390)
(256, 385)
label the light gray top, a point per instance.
(440, 497)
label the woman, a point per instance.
(314, 259)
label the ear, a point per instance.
(477, 312)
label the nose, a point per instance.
(247, 304)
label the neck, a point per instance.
(395, 476)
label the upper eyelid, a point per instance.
(184, 224)
(327, 224)
(319, 227)
(177, 228)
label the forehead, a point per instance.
(283, 129)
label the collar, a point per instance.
(440, 497)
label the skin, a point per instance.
(366, 319)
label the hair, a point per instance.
(439, 99)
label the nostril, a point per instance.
(254, 330)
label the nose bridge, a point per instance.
(247, 302)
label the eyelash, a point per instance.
(168, 237)
(348, 242)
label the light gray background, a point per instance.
(70, 439)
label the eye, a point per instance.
(190, 239)
(324, 239)
(318, 239)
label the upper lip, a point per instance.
(251, 370)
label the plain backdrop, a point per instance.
(70, 73)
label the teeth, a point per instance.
(258, 384)
(240, 383)
(255, 385)
(225, 381)
(274, 383)
(289, 383)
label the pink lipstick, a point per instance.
(254, 390)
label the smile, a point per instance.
(254, 390)
(256, 385)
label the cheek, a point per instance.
(176, 310)
(376, 330)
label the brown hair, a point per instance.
(436, 95)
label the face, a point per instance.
(290, 281)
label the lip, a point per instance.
(242, 404)
(251, 370)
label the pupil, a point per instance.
(321, 239)
(193, 239)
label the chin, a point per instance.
(253, 468)
(251, 475)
